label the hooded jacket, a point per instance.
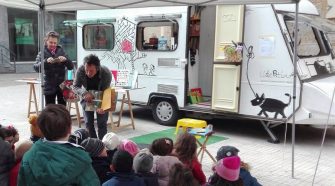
(53, 164)
(54, 73)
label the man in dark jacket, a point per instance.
(55, 61)
(54, 161)
(92, 77)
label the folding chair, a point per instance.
(207, 133)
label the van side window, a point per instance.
(310, 40)
(157, 35)
(98, 37)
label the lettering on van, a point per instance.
(124, 53)
(276, 74)
(228, 17)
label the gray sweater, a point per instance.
(80, 82)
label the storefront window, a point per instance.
(23, 34)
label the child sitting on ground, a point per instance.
(245, 175)
(20, 149)
(129, 146)
(53, 160)
(181, 176)
(35, 131)
(6, 159)
(122, 172)
(96, 149)
(161, 148)
(78, 136)
(111, 141)
(143, 162)
(188, 155)
(10, 135)
(228, 171)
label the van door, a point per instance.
(227, 60)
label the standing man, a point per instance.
(92, 76)
(55, 63)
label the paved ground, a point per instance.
(271, 163)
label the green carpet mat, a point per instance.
(148, 138)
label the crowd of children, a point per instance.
(56, 156)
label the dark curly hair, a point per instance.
(161, 146)
(186, 147)
(92, 59)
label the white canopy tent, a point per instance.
(73, 5)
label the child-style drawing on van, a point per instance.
(125, 51)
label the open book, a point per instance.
(105, 100)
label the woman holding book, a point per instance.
(55, 62)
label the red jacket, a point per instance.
(197, 171)
(14, 173)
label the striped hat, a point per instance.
(93, 146)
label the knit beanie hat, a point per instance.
(34, 129)
(93, 146)
(111, 140)
(228, 168)
(129, 146)
(226, 151)
(78, 136)
(143, 161)
(122, 161)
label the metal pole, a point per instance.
(295, 58)
(41, 23)
(324, 137)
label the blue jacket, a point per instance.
(248, 179)
(124, 179)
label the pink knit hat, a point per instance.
(229, 168)
(129, 146)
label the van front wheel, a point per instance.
(165, 112)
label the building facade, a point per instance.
(19, 40)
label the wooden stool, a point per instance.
(116, 125)
(76, 106)
(32, 98)
(32, 93)
(207, 133)
(190, 123)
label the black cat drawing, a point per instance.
(270, 105)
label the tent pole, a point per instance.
(41, 23)
(295, 58)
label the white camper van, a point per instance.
(240, 56)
